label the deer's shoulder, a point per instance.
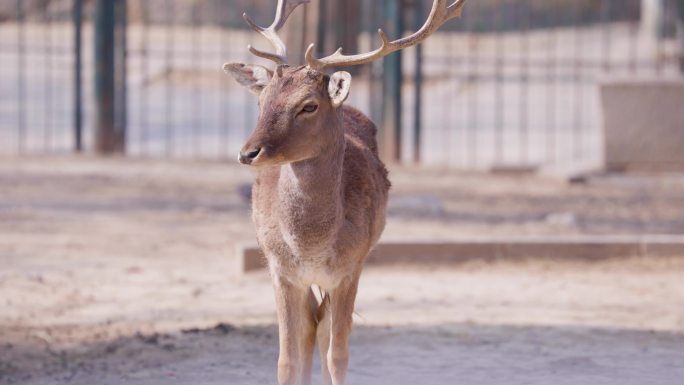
(357, 125)
(365, 175)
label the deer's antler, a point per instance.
(283, 10)
(441, 12)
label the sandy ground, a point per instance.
(122, 272)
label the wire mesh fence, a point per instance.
(512, 83)
(521, 80)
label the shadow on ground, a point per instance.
(427, 355)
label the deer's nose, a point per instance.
(247, 157)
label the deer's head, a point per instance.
(297, 104)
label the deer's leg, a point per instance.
(323, 337)
(341, 310)
(309, 339)
(294, 325)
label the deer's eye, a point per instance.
(309, 108)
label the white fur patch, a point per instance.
(338, 87)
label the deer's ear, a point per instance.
(338, 87)
(254, 77)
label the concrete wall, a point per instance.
(644, 125)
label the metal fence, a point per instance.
(511, 84)
(520, 84)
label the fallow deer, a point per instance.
(320, 192)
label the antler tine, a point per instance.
(283, 11)
(455, 10)
(441, 12)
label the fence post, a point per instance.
(322, 32)
(108, 139)
(651, 17)
(21, 78)
(120, 71)
(77, 14)
(418, 85)
(390, 128)
(680, 34)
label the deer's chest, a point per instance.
(301, 262)
(303, 251)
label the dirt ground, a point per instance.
(122, 271)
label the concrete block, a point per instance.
(666, 246)
(572, 249)
(643, 125)
(250, 258)
(579, 248)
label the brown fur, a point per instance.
(319, 207)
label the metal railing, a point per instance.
(511, 84)
(517, 86)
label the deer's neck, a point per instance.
(310, 197)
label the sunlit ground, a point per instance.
(123, 271)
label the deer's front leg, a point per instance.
(341, 309)
(295, 331)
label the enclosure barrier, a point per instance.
(512, 84)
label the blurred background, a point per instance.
(514, 83)
(535, 223)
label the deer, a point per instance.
(320, 193)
